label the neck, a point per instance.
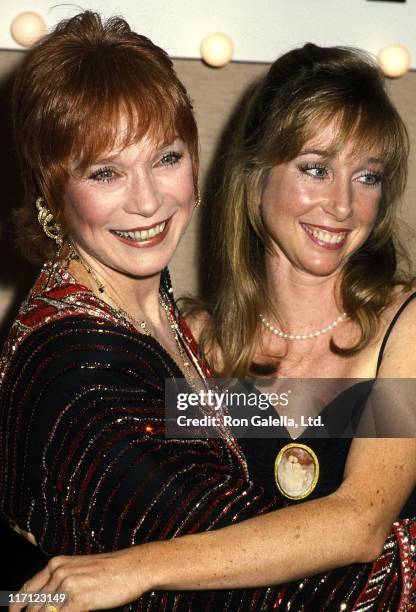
(137, 296)
(303, 301)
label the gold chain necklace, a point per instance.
(141, 325)
(173, 325)
(177, 335)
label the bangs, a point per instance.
(360, 125)
(340, 86)
(120, 118)
(121, 123)
(112, 101)
(371, 125)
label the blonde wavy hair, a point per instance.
(303, 89)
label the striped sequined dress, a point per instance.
(86, 467)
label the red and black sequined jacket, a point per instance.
(85, 465)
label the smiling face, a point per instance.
(127, 211)
(321, 206)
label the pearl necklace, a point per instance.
(278, 332)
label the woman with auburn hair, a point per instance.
(307, 262)
(109, 157)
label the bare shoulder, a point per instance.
(403, 308)
(197, 322)
(399, 358)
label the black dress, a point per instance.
(86, 467)
(342, 414)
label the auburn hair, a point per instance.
(73, 90)
(303, 90)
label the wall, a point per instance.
(261, 30)
(215, 93)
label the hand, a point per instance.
(90, 582)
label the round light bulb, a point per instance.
(394, 60)
(27, 28)
(217, 49)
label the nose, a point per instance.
(143, 197)
(339, 203)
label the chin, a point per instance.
(324, 266)
(146, 263)
(146, 271)
(323, 270)
(323, 273)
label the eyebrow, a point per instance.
(80, 166)
(111, 158)
(327, 153)
(105, 160)
(322, 152)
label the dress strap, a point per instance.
(390, 329)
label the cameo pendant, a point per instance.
(296, 471)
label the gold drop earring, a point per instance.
(198, 198)
(47, 222)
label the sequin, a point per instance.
(85, 464)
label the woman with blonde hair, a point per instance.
(308, 288)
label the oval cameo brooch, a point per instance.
(296, 470)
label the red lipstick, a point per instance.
(149, 242)
(330, 246)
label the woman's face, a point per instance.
(129, 209)
(319, 208)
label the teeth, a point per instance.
(324, 236)
(143, 234)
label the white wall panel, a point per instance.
(261, 29)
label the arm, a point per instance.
(280, 546)
(90, 407)
(379, 476)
